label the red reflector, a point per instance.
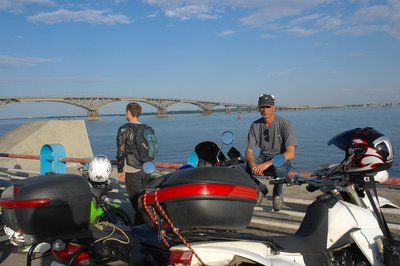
(32, 203)
(66, 254)
(17, 189)
(180, 256)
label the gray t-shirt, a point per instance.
(273, 140)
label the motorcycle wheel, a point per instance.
(119, 217)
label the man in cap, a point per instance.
(273, 135)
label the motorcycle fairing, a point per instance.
(345, 217)
(363, 238)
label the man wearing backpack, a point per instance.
(136, 144)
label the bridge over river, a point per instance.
(92, 104)
(95, 103)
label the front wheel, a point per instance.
(118, 217)
(113, 215)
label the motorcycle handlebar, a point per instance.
(313, 184)
(232, 161)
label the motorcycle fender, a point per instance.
(365, 240)
(383, 202)
(286, 259)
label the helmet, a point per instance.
(99, 169)
(367, 150)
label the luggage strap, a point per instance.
(171, 225)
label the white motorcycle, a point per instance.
(338, 227)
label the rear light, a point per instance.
(181, 256)
(65, 252)
(32, 203)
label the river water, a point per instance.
(178, 134)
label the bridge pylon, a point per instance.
(93, 115)
(162, 112)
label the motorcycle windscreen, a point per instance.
(209, 152)
(233, 153)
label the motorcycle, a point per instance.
(338, 227)
(56, 209)
(102, 210)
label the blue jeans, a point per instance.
(275, 172)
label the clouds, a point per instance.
(190, 11)
(21, 5)
(383, 17)
(270, 17)
(56, 13)
(90, 16)
(160, 47)
(7, 61)
(294, 17)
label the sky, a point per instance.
(304, 52)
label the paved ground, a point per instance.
(265, 221)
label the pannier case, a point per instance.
(218, 198)
(48, 205)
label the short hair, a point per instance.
(134, 108)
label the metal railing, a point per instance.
(53, 159)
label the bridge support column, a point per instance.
(206, 112)
(93, 115)
(162, 112)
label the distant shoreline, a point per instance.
(221, 110)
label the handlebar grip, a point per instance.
(232, 162)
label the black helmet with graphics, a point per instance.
(367, 150)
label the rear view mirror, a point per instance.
(227, 137)
(278, 160)
(149, 167)
(193, 159)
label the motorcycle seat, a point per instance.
(311, 237)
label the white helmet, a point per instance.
(99, 169)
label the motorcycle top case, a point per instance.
(218, 198)
(46, 206)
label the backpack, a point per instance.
(145, 147)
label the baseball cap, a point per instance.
(266, 100)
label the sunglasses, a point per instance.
(266, 135)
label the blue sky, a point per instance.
(302, 51)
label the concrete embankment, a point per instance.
(29, 138)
